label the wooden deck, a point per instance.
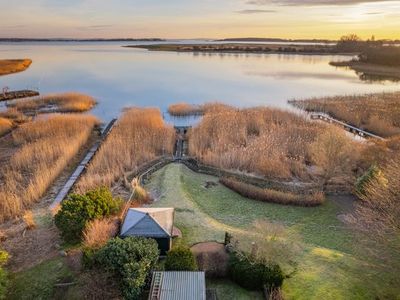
(17, 94)
(81, 167)
(348, 127)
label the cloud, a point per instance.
(313, 2)
(255, 11)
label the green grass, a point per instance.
(330, 266)
(228, 290)
(38, 282)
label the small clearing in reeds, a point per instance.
(273, 196)
(378, 113)
(66, 102)
(139, 136)
(43, 148)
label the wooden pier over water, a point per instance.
(82, 166)
(348, 127)
(17, 94)
(181, 144)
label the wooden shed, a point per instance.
(155, 223)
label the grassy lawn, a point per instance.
(228, 290)
(329, 267)
(38, 282)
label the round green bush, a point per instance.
(132, 259)
(180, 258)
(77, 210)
(254, 275)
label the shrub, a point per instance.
(180, 258)
(77, 210)
(372, 174)
(132, 260)
(3, 274)
(253, 275)
(274, 196)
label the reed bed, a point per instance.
(8, 66)
(66, 102)
(273, 196)
(268, 142)
(5, 126)
(44, 148)
(139, 136)
(185, 109)
(378, 113)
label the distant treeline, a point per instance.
(370, 51)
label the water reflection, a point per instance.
(119, 77)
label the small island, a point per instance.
(9, 66)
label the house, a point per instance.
(178, 285)
(155, 223)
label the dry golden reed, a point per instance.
(139, 136)
(98, 232)
(44, 148)
(265, 141)
(273, 196)
(378, 113)
(185, 109)
(8, 66)
(66, 102)
(5, 126)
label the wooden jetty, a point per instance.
(17, 94)
(82, 166)
(181, 144)
(348, 127)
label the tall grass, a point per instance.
(265, 141)
(273, 196)
(138, 137)
(378, 113)
(44, 148)
(5, 126)
(66, 102)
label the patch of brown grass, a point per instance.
(5, 126)
(8, 66)
(273, 196)
(98, 232)
(268, 142)
(377, 113)
(14, 115)
(66, 102)
(139, 136)
(185, 109)
(29, 219)
(45, 147)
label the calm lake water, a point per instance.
(120, 77)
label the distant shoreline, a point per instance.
(245, 48)
(18, 40)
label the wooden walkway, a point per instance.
(348, 127)
(82, 166)
(17, 94)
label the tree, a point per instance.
(350, 43)
(334, 153)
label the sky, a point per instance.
(199, 19)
